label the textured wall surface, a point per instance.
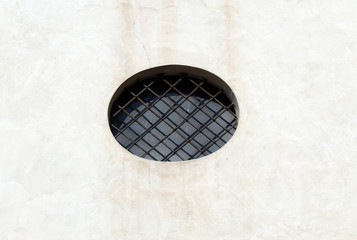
(289, 172)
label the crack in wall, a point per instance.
(137, 36)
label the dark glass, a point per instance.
(172, 118)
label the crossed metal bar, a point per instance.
(174, 127)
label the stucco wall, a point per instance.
(289, 172)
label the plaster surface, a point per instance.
(289, 172)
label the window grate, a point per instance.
(172, 118)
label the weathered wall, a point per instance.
(289, 172)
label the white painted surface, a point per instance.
(288, 173)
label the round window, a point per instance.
(173, 113)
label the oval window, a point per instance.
(173, 113)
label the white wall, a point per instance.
(289, 172)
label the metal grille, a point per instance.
(172, 118)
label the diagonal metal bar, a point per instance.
(156, 101)
(136, 120)
(131, 100)
(200, 107)
(195, 134)
(157, 123)
(226, 107)
(184, 136)
(217, 138)
(137, 145)
(212, 97)
(198, 131)
(193, 117)
(218, 116)
(179, 106)
(162, 120)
